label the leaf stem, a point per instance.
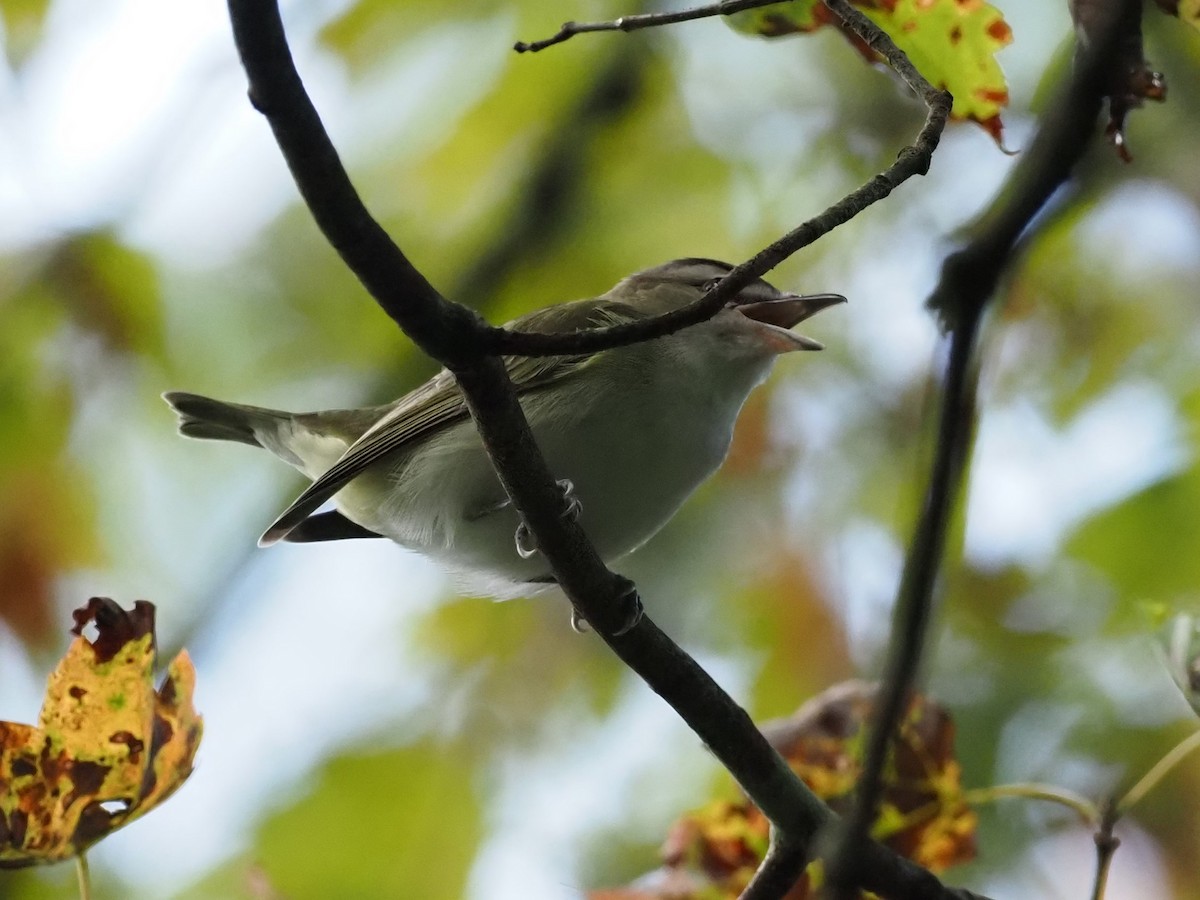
(1158, 771)
(1032, 790)
(83, 876)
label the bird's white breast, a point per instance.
(634, 442)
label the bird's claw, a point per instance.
(629, 600)
(526, 542)
(631, 606)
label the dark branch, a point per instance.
(638, 22)
(780, 870)
(453, 335)
(969, 279)
(449, 337)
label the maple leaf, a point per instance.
(953, 43)
(107, 748)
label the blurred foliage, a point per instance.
(500, 745)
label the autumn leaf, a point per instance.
(712, 852)
(107, 748)
(953, 43)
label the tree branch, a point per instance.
(455, 337)
(968, 280)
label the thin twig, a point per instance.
(1029, 790)
(911, 160)
(640, 21)
(968, 280)
(1158, 771)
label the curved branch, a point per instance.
(454, 336)
(968, 280)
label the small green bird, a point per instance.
(631, 431)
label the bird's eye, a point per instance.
(709, 285)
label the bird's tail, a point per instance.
(215, 420)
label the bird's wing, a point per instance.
(328, 526)
(439, 403)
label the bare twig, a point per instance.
(640, 21)
(1082, 806)
(911, 160)
(1158, 772)
(969, 278)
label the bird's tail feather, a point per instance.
(216, 420)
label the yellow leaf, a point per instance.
(108, 747)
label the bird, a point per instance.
(630, 432)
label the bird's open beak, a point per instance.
(786, 312)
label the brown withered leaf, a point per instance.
(107, 748)
(712, 852)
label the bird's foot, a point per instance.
(526, 542)
(630, 603)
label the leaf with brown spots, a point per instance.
(952, 42)
(107, 748)
(712, 852)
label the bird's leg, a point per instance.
(526, 542)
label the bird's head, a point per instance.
(757, 320)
